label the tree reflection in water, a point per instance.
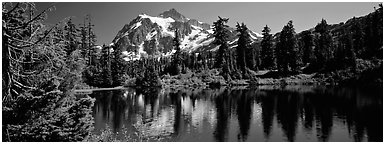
(300, 113)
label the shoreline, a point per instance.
(212, 79)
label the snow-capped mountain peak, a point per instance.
(153, 35)
(172, 13)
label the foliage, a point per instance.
(373, 34)
(51, 116)
(105, 61)
(177, 58)
(267, 53)
(88, 39)
(323, 47)
(149, 79)
(72, 36)
(243, 44)
(358, 37)
(117, 67)
(345, 55)
(306, 43)
(39, 77)
(221, 37)
(287, 50)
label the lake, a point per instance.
(264, 113)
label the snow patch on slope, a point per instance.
(257, 34)
(150, 35)
(133, 56)
(196, 27)
(215, 49)
(236, 40)
(170, 53)
(136, 25)
(195, 39)
(252, 36)
(128, 56)
(211, 31)
(162, 22)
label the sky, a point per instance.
(110, 17)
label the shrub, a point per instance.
(149, 79)
(50, 116)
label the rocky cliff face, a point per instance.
(152, 35)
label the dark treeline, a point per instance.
(111, 70)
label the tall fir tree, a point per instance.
(307, 41)
(91, 41)
(177, 57)
(221, 34)
(105, 62)
(323, 47)
(84, 39)
(117, 66)
(267, 52)
(345, 55)
(72, 36)
(358, 37)
(287, 50)
(244, 60)
(373, 34)
(88, 39)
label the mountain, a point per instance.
(152, 35)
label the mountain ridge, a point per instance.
(152, 35)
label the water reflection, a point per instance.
(297, 113)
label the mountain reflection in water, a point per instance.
(292, 113)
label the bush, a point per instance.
(149, 79)
(128, 81)
(51, 116)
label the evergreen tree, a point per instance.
(251, 56)
(106, 65)
(117, 67)
(345, 56)
(91, 40)
(94, 71)
(307, 46)
(323, 47)
(243, 45)
(373, 34)
(221, 37)
(358, 37)
(88, 39)
(257, 56)
(38, 80)
(72, 36)
(84, 40)
(279, 52)
(177, 57)
(267, 52)
(150, 78)
(287, 50)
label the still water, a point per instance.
(291, 113)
